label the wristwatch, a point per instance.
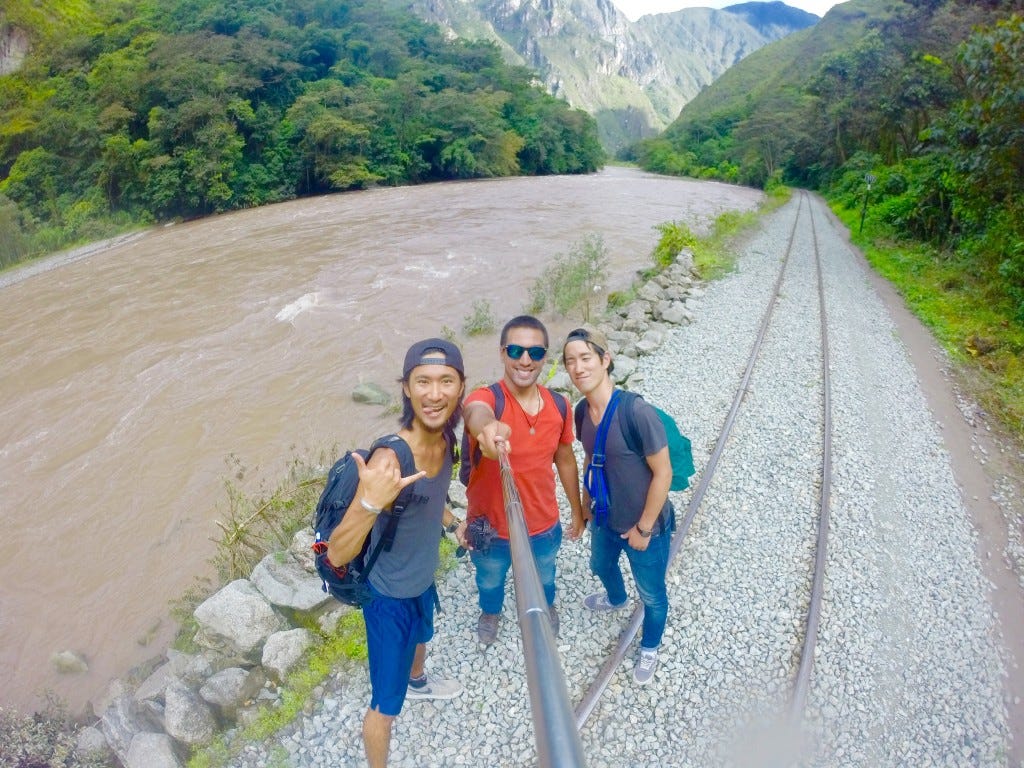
(643, 533)
(454, 526)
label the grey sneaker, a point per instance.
(599, 602)
(645, 666)
(487, 627)
(555, 623)
(435, 688)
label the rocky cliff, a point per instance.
(14, 46)
(634, 77)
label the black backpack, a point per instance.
(348, 583)
(468, 461)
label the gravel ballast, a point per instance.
(908, 668)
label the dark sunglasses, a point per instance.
(515, 352)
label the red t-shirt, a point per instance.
(532, 461)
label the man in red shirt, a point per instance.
(537, 436)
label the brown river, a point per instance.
(137, 376)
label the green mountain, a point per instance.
(633, 77)
(870, 76)
(115, 112)
(909, 116)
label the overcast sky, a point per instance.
(634, 9)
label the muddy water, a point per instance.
(134, 378)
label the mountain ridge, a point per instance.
(633, 77)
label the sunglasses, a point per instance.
(515, 351)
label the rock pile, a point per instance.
(641, 326)
(251, 634)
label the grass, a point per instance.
(975, 327)
(252, 526)
(715, 255)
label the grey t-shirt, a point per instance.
(408, 568)
(628, 474)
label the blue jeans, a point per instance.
(648, 568)
(492, 568)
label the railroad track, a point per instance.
(802, 665)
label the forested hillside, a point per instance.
(909, 116)
(134, 111)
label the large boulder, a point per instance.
(283, 650)
(683, 265)
(121, 721)
(236, 621)
(371, 394)
(91, 744)
(152, 750)
(187, 717)
(624, 368)
(69, 663)
(301, 548)
(561, 382)
(286, 584)
(651, 292)
(231, 688)
(677, 314)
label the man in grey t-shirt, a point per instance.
(628, 504)
(400, 615)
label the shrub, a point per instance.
(46, 738)
(675, 236)
(480, 320)
(573, 279)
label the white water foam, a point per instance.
(297, 307)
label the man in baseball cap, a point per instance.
(399, 615)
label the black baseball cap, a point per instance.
(422, 353)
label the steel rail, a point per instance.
(803, 676)
(557, 739)
(587, 705)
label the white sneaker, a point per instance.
(435, 688)
(645, 666)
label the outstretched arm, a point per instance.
(479, 421)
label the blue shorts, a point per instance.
(394, 627)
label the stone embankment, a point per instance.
(253, 632)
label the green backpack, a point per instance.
(679, 449)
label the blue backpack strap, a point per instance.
(595, 479)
